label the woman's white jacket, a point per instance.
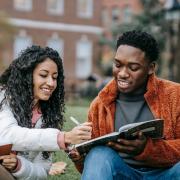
(26, 140)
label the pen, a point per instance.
(75, 121)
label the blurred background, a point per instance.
(84, 32)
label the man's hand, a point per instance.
(132, 147)
(75, 156)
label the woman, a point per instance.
(31, 111)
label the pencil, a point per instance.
(74, 120)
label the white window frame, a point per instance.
(88, 13)
(58, 10)
(17, 47)
(56, 43)
(83, 69)
(25, 6)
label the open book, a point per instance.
(5, 147)
(152, 128)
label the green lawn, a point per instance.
(80, 113)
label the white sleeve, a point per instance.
(26, 139)
(31, 170)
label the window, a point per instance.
(22, 41)
(115, 14)
(85, 8)
(83, 58)
(127, 14)
(57, 44)
(55, 7)
(23, 5)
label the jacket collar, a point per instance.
(110, 92)
(152, 86)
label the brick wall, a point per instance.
(40, 35)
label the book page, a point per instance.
(129, 126)
(98, 138)
(152, 128)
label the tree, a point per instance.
(152, 20)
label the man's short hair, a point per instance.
(140, 40)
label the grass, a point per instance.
(80, 113)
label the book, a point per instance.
(152, 128)
(5, 147)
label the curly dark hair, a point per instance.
(17, 82)
(141, 40)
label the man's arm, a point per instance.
(153, 152)
(165, 152)
(161, 153)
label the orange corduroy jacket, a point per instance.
(163, 99)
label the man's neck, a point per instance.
(135, 95)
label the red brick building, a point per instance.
(119, 11)
(71, 27)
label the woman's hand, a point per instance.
(79, 134)
(9, 161)
(132, 147)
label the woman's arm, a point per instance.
(26, 139)
(33, 170)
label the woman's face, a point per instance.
(44, 80)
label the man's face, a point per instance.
(130, 68)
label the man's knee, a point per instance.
(175, 170)
(172, 173)
(103, 161)
(105, 157)
(101, 153)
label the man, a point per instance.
(135, 94)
